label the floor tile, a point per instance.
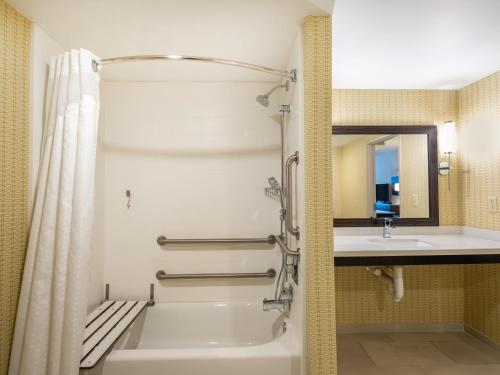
(424, 336)
(389, 370)
(464, 370)
(466, 353)
(362, 337)
(404, 353)
(477, 343)
(352, 354)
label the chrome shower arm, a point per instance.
(283, 86)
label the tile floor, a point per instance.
(449, 353)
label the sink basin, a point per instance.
(398, 243)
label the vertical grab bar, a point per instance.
(289, 195)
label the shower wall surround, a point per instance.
(14, 166)
(295, 142)
(196, 157)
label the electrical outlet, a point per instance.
(492, 204)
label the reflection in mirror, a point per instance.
(380, 175)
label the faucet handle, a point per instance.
(287, 293)
(389, 222)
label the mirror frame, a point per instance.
(431, 131)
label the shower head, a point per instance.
(274, 183)
(264, 98)
(276, 191)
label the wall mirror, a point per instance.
(385, 171)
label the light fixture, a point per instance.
(447, 146)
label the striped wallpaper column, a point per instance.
(14, 166)
(320, 288)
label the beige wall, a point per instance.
(337, 164)
(353, 178)
(413, 176)
(14, 166)
(350, 177)
(480, 104)
(434, 293)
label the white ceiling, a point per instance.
(255, 31)
(414, 44)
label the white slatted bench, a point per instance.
(104, 327)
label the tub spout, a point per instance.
(282, 305)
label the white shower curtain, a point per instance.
(52, 305)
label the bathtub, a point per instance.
(209, 338)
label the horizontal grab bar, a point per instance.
(162, 275)
(162, 240)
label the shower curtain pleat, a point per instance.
(52, 306)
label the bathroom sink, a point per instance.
(395, 243)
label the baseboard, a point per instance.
(403, 327)
(482, 337)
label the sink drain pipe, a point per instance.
(393, 277)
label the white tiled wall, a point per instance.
(295, 125)
(196, 158)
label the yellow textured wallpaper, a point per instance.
(320, 289)
(14, 163)
(404, 107)
(479, 105)
(434, 293)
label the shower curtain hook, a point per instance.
(96, 67)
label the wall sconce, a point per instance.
(447, 145)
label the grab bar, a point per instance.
(289, 196)
(162, 240)
(284, 248)
(162, 275)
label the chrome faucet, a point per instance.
(283, 303)
(388, 224)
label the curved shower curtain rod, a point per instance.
(291, 75)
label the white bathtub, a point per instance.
(205, 338)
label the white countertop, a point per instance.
(456, 241)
